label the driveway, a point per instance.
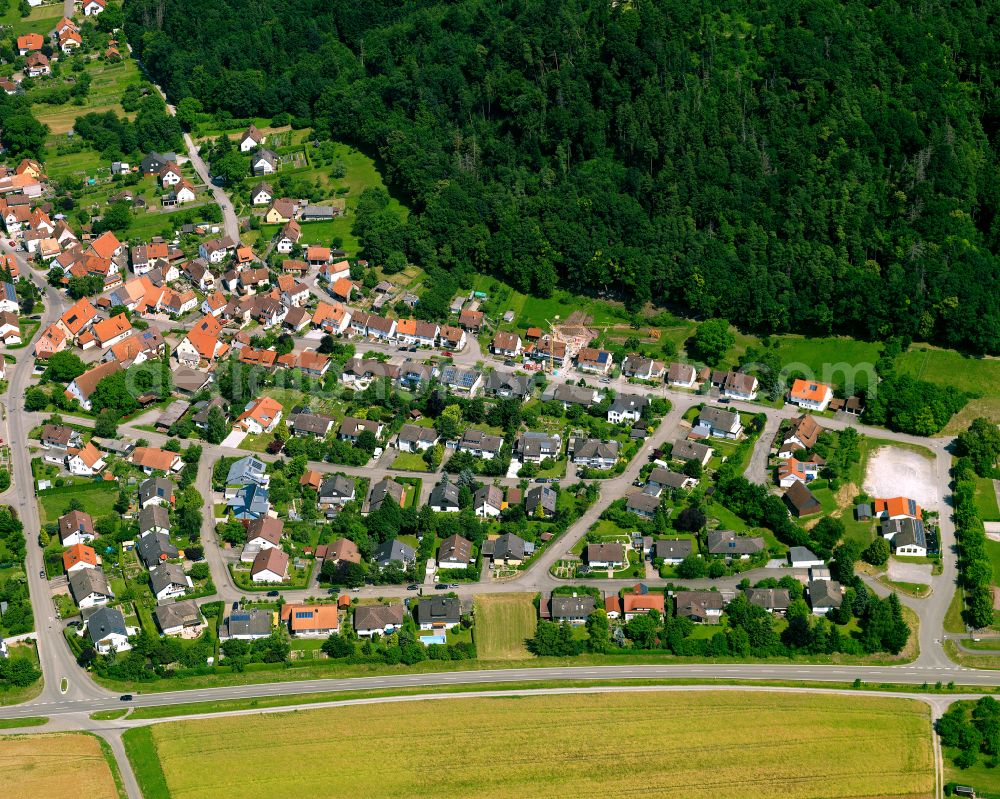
(234, 439)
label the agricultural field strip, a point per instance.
(754, 725)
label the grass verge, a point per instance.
(27, 721)
(141, 750)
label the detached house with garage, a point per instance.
(413, 438)
(259, 416)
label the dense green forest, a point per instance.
(808, 165)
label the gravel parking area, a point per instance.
(896, 472)
(909, 572)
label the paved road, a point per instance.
(231, 225)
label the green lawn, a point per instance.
(97, 498)
(950, 368)
(993, 550)
(727, 519)
(410, 462)
(986, 500)
(503, 623)
(821, 357)
(532, 311)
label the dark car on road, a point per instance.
(441, 586)
(413, 587)
(125, 698)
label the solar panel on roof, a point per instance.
(241, 617)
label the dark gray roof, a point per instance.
(769, 598)
(386, 487)
(312, 423)
(697, 603)
(796, 554)
(629, 402)
(154, 548)
(642, 503)
(440, 609)
(718, 418)
(336, 487)
(166, 575)
(445, 495)
(153, 517)
(544, 495)
(673, 548)
(414, 433)
(591, 448)
(510, 546)
(571, 607)
(685, 450)
(84, 582)
(105, 621)
(247, 622)
(488, 495)
(726, 542)
(477, 439)
(666, 477)
(825, 593)
(155, 487)
(518, 385)
(394, 550)
(905, 532)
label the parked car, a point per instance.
(413, 587)
(236, 605)
(274, 593)
(441, 586)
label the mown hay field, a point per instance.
(41, 766)
(503, 623)
(695, 745)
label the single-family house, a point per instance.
(372, 620)
(685, 450)
(507, 550)
(907, 536)
(168, 581)
(385, 490)
(89, 587)
(106, 627)
(439, 613)
(262, 533)
(540, 502)
(810, 394)
(156, 491)
(444, 498)
(247, 625)
(85, 461)
(627, 408)
(260, 416)
(249, 502)
(824, 595)
(487, 502)
(593, 453)
(455, 552)
(153, 459)
(182, 618)
(605, 556)
(701, 607)
(597, 361)
(336, 490)
(641, 368)
(673, 550)
(76, 527)
(731, 546)
(773, 600)
(395, 551)
(573, 609)
(311, 621)
(270, 566)
(717, 422)
(79, 556)
(803, 558)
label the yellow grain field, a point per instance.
(688, 745)
(503, 623)
(60, 765)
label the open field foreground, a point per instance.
(701, 744)
(39, 766)
(503, 623)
